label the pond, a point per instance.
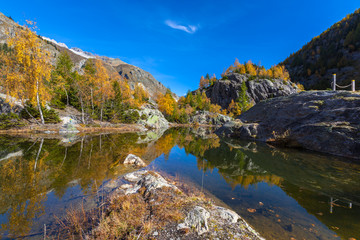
(282, 193)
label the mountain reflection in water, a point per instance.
(283, 193)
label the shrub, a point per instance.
(10, 120)
(143, 117)
(50, 116)
(130, 117)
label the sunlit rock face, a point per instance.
(224, 91)
(323, 121)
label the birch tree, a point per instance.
(28, 71)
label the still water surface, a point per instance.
(282, 193)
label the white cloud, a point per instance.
(189, 29)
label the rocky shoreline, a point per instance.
(322, 121)
(147, 206)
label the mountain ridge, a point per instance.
(133, 74)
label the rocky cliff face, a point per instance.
(337, 50)
(223, 91)
(323, 121)
(133, 74)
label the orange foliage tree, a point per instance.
(28, 71)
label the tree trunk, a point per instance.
(92, 102)
(82, 111)
(101, 113)
(31, 115)
(67, 97)
(38, 153)
(38, 103)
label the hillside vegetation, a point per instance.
(337, 50)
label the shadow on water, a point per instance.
(283, 193)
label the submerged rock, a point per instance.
(131, 159)
(323, 121)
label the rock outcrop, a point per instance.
(206, 117)
(323, 121)
(225, 90)
(197, 217)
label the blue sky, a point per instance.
(178, 41)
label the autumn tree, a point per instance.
(250, 68)
(102, 86)
(89, 82)
(28, 71)
(204, 82)
(166, 103)
(140, 95)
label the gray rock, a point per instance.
(223, 91)
(197, 219)
(135, 176)
(9, 105)
(323, 121)
(227, 214)
(150, 181)
(206, 117)
(131, 159)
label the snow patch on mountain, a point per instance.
(80, 52)
(55, 42)
(77, 51)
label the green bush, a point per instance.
(50, 116)
(130, 117)
(10, 120)
(143, 117)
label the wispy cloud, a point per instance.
(189, 28)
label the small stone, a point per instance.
(197, 219)
(155, 233)
(227, 214)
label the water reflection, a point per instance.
(283, 193)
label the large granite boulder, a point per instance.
(324, 121)
(152, 118)
(223, 91)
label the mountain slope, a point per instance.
(135, 75)
(337, 50)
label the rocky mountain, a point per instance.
(225, 90)
(133, 74)
(337, 50)
(323, 121)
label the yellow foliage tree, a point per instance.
(103, 86)
(204, 82)
(250, 68)
(166, 103)
(140, 96)
(28, 71)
